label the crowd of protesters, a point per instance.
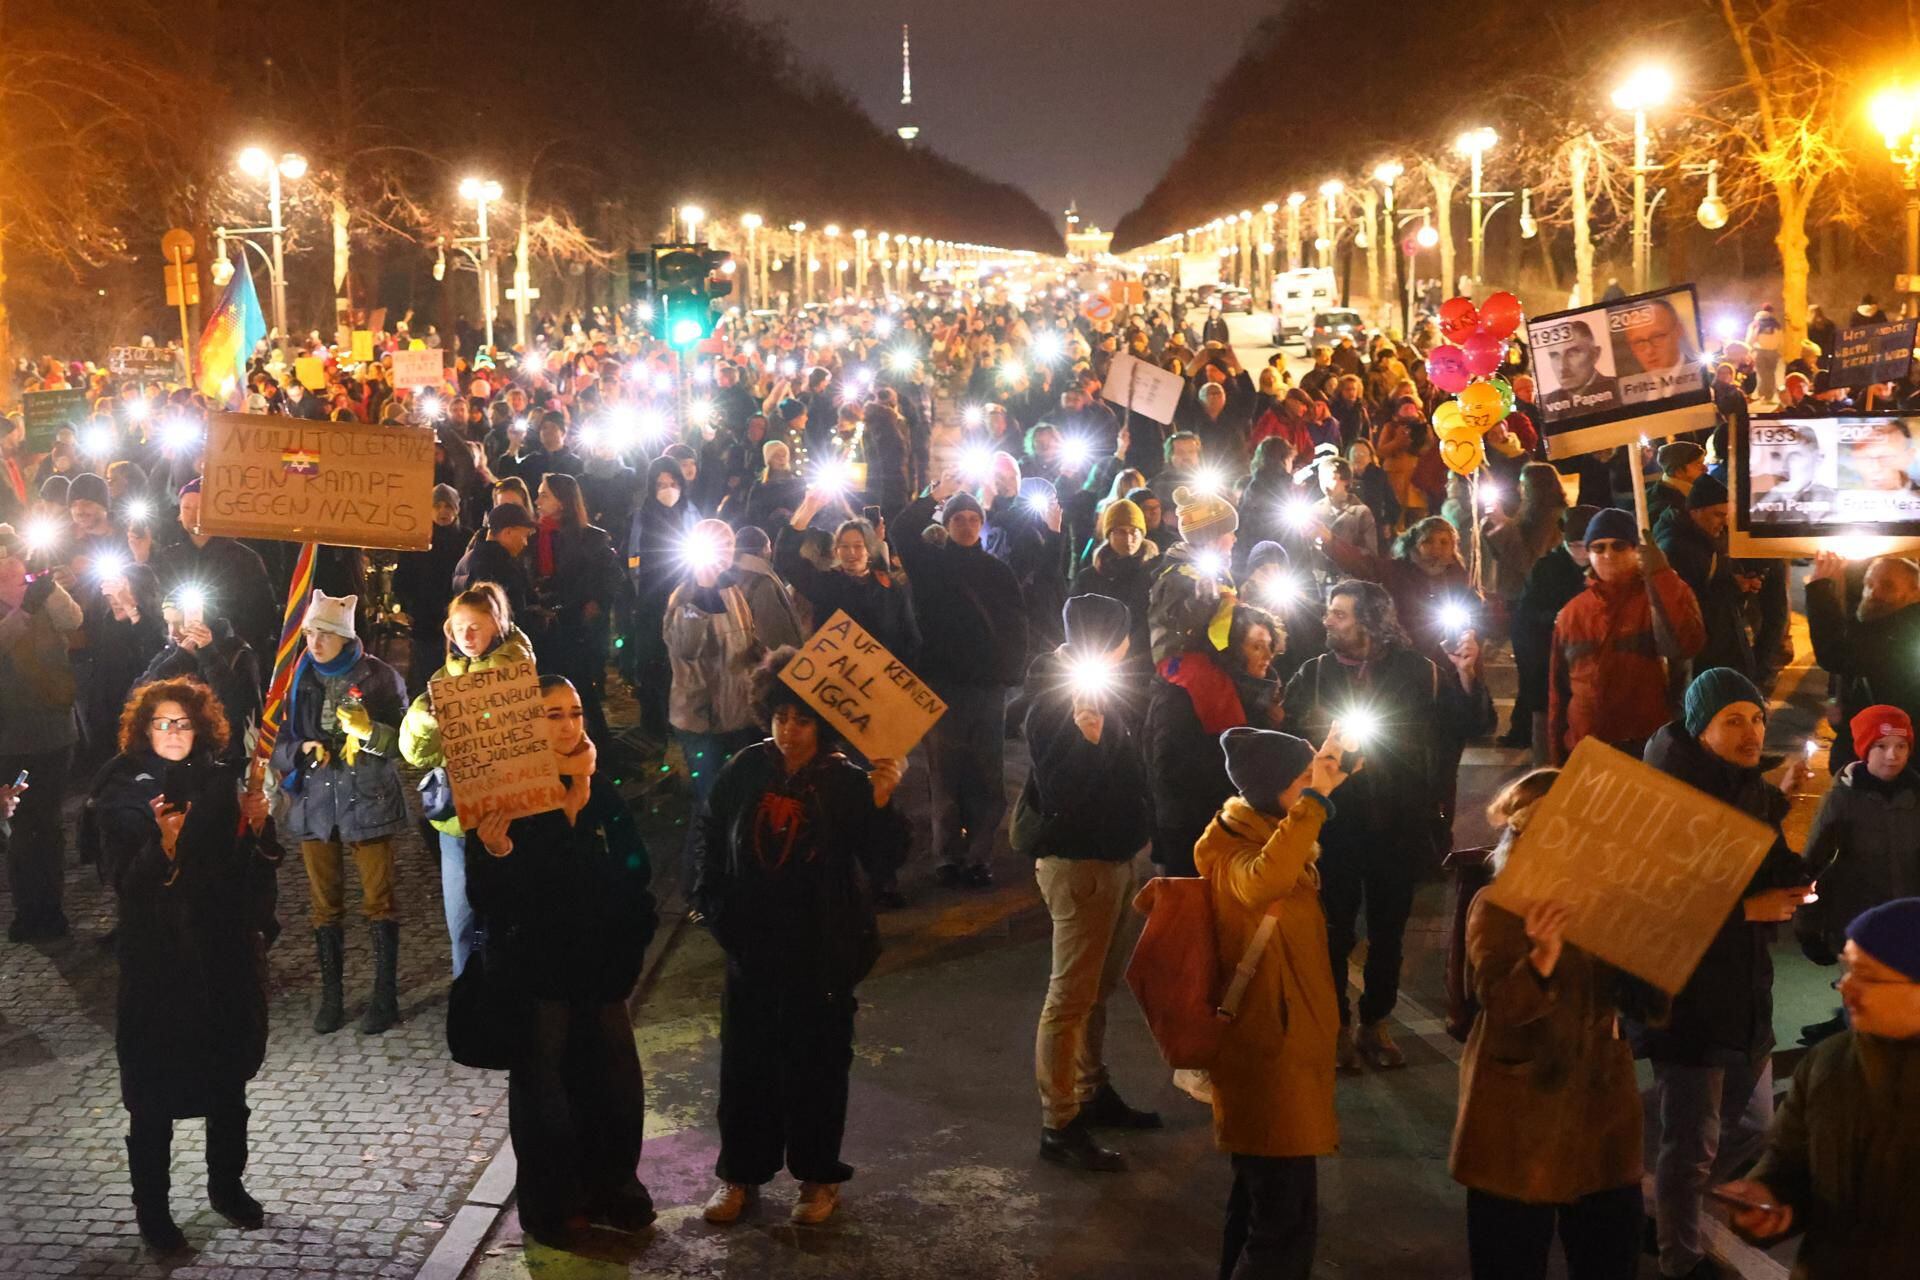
(1172, 615)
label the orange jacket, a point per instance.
(1609, 670)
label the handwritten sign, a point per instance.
(48, 411)
(1150, 391)
(494, 735)
(1870, 353)
(863, 691)
(312, 372)
(144, 362)
(345, 483)
(416, 368)
(362, 346)
(1649, 865)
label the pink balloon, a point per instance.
(1482, 351)
(1447, 368)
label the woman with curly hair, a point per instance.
(191, 864)
(786, 852)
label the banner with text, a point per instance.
(861, 690)
(1148, 390)
(1870, 353)
(346, 483)
(417, 369)
(1649, 865)
(493, 732)
(46, 412)
(1608, 374)
(1802, 485)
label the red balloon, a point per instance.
(1483, 352)
(1447, 368)
(1500, 315)
(1458, 317)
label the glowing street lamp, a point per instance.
(691, 216)
(1294, 201)
(1895, 112)
(1330, 191)
(1474, 144)
(482, 191)
(257, 164)
(1647, 87)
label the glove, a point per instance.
(37, 593)
(355, 722)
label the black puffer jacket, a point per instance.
(784, 866)
(1093, 795)
(1864, 847)
(191, 1022)
(1724, 1015)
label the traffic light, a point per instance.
(683, 280)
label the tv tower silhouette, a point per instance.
(908, 132)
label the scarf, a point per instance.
(543, 544)
(1211, 690)
(342, 663)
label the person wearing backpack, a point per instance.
(1086, 797)
(1273, 1073)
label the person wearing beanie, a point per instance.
(1270, 582)
(1839, 1164)
(1193, 582)
(1121, 513)
(1613, 643)
(337, 762)
(497, 556)
(1864, 846)
(1713, 1079)
(972, 620)
(1272, 1081)
(89, 506)
(1869, 648)
(1681, 463)
(1122, 568)
(423, 583)
(230, 574)
(1081, 816)
(1555, 579)
(1693, 538)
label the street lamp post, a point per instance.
(832, 232)
(799, 230)
(1645, 89)
(1329, 240)
(1895, 112)
(1474, 144)
(751, 291)
(1386, 173)
(482, 191)
(1294, 202)
(860, 260)
(1267, 211)
(257, 164)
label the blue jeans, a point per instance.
(453, 888)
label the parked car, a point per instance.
(1328, 326)
(1232, 298)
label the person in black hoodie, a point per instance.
(423, 583)
(208, 650)
(1084, 802)
(973, 629)
(662, 518)
(785, 853)
(1122, 567)
(576, 576)
(565, 900)
(1713, 1079)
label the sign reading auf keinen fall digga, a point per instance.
(344, 483)
(860, 689)
(1649, 865)
(493, 732)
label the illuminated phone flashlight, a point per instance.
(1013, 371)
(974, 416)
(634, 372)
(900, 360)
(703, 553)
(592, 435)
(832, 476)
(1280, 590)
(1049, 347)
(703, 374)
(1298, 514)
(1359, 727)
(977, 464)
(1210, 563)
(644, 310)
(789, 367)
(109, 566)
(700, 412)
(41, 535)
(178, 434)
(1812, 748)
(652, 426)
(1455, 617)
(839, 335)
(138, 410)
(1208, 481)
(518, 427)
(1090, 677)
(97, 440)
(139, 511)
(192, 602)
(883, 327)
(1074, 453)
(430, 406)
(1489, 494)
(663, 382)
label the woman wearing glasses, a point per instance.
(188, 857)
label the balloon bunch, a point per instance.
(1467, 370)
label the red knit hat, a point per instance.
(1877, 722)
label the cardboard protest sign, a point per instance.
(861, 690)
(345, 483)
(1608, 374)
(362, 346)
(1650, 866)
(1150, 391)
(144, 362)
(312, 372)
(1869, 353)
(1804, 485)
(48, 411)
(494, 735)
(416, 368)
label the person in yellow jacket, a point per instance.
(480, 635)
(1273, 1078)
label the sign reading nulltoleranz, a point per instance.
(345, 483)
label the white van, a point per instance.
(1297, 296)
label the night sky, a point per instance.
(1082, 101)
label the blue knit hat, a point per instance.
(1266, 552)
(1890, 933)
(1612, 522)
(1714, 689)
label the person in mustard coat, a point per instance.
(1273, 1078)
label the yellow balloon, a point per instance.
(1481, 405)
(1463, 457)
(1445, 415)
(1457, 430)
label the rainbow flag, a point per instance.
(286, 656)
(234, 328)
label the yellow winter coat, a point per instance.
(1273, 1080)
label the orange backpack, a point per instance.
(1175, 970)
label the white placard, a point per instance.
(1151, 391)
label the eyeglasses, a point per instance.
(171, 724)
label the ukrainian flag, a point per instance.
(234, 328)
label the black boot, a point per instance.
(330, 946)
(383, 1006)
(148, 1158)
(226, 1161)
(1074, 1146)
(1106, 1109)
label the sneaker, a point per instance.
(816, 1203)
(1107, 1110)
(1377, 1046)
(727, 1203)
(978, 876)
(1197, 1085)
(1813, 1033)
(1074, 1147)
(632, 1212)
(1346, 1059)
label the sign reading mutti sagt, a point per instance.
(1609, 374)
(863, 691)
(344, 483)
